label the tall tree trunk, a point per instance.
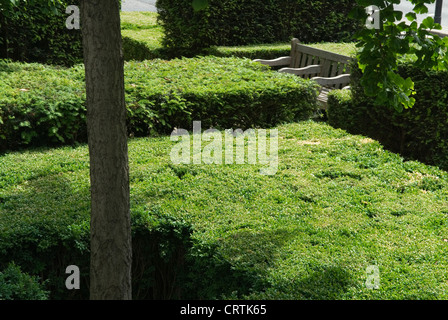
(110, 232)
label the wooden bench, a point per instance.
(330, 70)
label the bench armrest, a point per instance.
(282, 61)
(311, 69)
(342, 80)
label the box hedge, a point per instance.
(337, 204)
(46, 228)
(419, 132)
(34, 34)
(190, 28)
(42, 105)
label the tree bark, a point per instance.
(110, 231)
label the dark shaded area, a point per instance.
(419, 133)
(167, 262)
(38, 34)
(242, 22)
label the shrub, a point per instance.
(337, 204)
(16, 285)
(340, 109)
(41, 104)
(36, 35)
(141, 36)
(419, 132)
(263, 51)
(236, 22)
(167, 262)
(46, 105)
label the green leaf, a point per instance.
(199, 5)
(411, 16)
(428, 22)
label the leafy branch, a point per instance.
(381, 49)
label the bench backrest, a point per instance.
(333, 64)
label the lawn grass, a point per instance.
(337, 204)
(143, 27)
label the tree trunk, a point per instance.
(110, 232)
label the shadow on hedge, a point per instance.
(47, 229)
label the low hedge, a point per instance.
(418, 133)
(164, 254)
(138, 46)
(46, 228)
(337, 204)
(142, 40)
(42, 105)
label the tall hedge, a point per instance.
(420, 132)
(33, 34)
(240, 22)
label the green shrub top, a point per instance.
(45, 104)
(206, 74)
(337, 204)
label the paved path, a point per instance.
(139, 5)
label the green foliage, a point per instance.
(419, 132)
(142, 36)
(46, 105)
(337, 204)
(35, 31)
(41, 104)
(381, 49)
(16, 285)
(340, 112)
(192, 27)
(142, 40)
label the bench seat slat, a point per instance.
(340, 80)
(282, 61)
(313, 69)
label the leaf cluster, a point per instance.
(46, 105)
(380, 50)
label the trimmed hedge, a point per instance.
(137, 47)
(46, 228)
(163, 256)
(419, 133)
(337, 204)
(236, 22)
(16, 285)
(42, 105)
(141, 36)
(33, 35)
